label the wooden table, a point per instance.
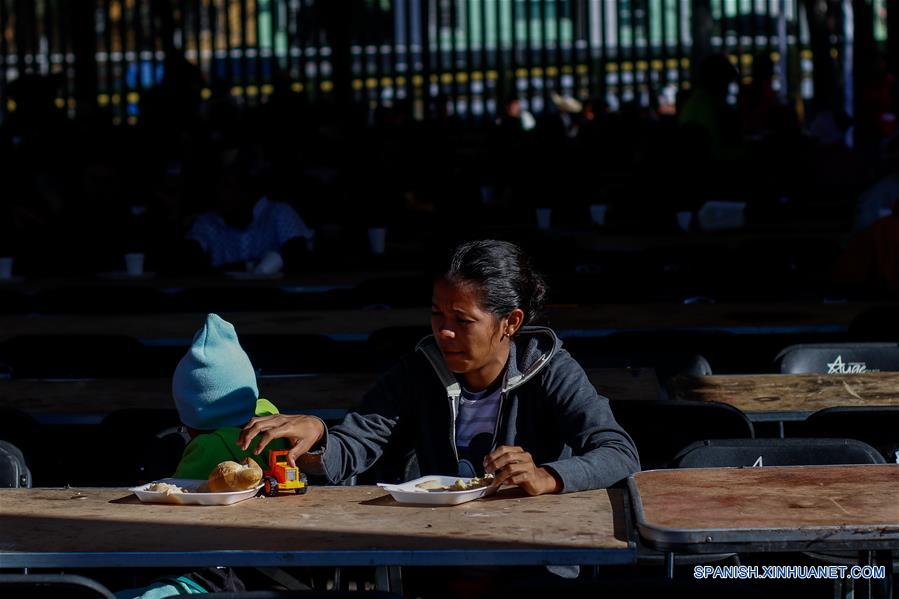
(567, 320)
(782, 397)
(799, 508)
(330, 526)
(328, 396)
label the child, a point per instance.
(215, 392)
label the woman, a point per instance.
(485, 393)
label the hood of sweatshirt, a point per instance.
(531, 350)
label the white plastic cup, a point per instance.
(544, 218)
(134, 264)
(598, 213)
(377, 240)
(684, 220)
(5, 268)
(270, 264)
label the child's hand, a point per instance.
(302, 431)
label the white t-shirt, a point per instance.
(273, 224)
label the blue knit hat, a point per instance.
(215, 384)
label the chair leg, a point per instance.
(669, 565)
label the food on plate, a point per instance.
(230, 476)
(459, 485)
(166, 488)
(473, 483)
(431, 485)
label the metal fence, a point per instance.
(470, 53)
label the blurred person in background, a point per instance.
(244, 230)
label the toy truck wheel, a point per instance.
(302, 490)
(270, 486)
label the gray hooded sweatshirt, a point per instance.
(548, 407)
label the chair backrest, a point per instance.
(664, 354)
(18, 427)
(839, 358)
(661, 428)
(47, 586)
(876, 426)
(141, 444)
(14, 472)
(775, 452)
(880, 323)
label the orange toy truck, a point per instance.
(281, 476)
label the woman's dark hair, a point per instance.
(503, 274)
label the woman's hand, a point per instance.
(515, 466)
(302, 431)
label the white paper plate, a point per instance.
(145, 495)
(408, 492)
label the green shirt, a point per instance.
(208, 450)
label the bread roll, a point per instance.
(231, 476)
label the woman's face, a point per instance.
(470, 338)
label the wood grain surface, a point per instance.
(326, 519)
(858, 500)
(796, 393)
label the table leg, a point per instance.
(883, 588)
(284, 579)
(669, 565)
(389, 578)
(863, 587)
(844, 589)
(382, 580)
(395, 574)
